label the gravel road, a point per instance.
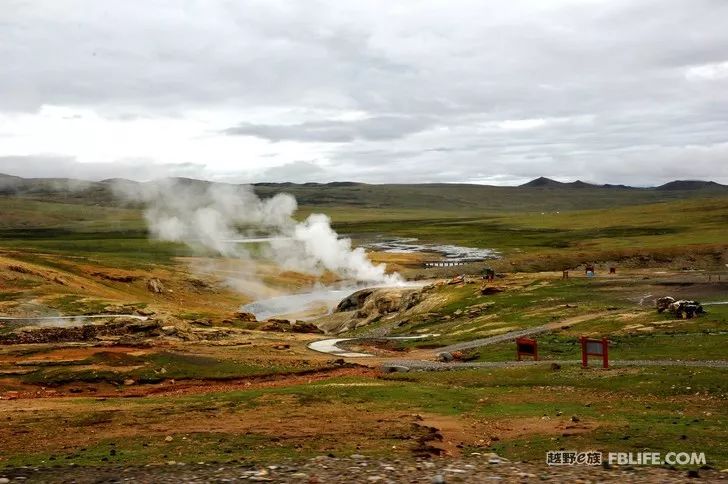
(357, 468)
(436, 365)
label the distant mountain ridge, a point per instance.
(540, 182)
(538, 195)
(690, 185)
(543, 182)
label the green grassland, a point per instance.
(657, 409)
(628, 409)
(549, 240)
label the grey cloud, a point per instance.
(372, 129)
(432, 81)
(52, 166)
(295, 172)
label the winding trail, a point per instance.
(330, 346)
(436, 365)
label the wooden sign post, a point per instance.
(594, 347)
(526, 347)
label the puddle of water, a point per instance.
(449, 252)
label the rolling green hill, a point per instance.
(539, 195)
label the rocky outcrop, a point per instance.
(305, 327)
(285, 326)
(367, 305)
(155, 285)
(354, 301)
(86, 332)
(245, 317)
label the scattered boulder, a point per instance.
(478, 309)
(245, 317)
(305, 327)
(22, 270)
(116, 277)
(113, 309)
(457, 280)
(445, 357)
(155, 285)
(199, 283)
(87, 332)
(279, 325)
(487, 290)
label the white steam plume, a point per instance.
(213, 216)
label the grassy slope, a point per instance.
(626, 410)
(637, 408)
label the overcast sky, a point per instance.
(618, 91)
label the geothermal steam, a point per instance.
(215, 216)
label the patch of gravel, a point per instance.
(358, 468)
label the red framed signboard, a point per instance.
(526, 347)
(594, 347)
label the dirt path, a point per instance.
(477, 343)
(436, 365)
(330, 346)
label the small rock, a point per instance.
(438, 479)
(357, 456)
(396, 369)
(494, 459)
(574, 418)
(168, 438)
(155, 285)
(444, 357)
(245, 316)
(4, 480)
(129, 382)
(693, 474)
